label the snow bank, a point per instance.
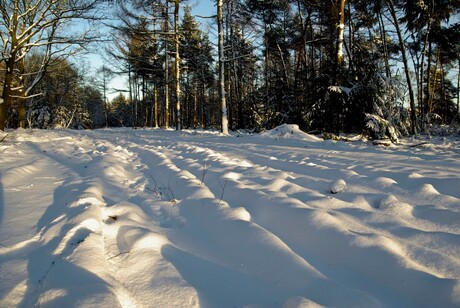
(290, 131)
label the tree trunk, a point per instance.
(155, 104)
(22, 112)
(458, 89)
(383, 33)
(2, 113)
(422, 73)
(7, 95)
(413, 116)
(21, 95)
(166, 42)
(340, 34)
(266, 67)
(177, 63)
(223, 103)
(195, 104)
(204, 107)
(443, 94)
(104, 85)
(351, 39)
(302, 57)
(435, 78)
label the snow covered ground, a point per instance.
(158, 218)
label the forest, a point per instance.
(384, 68)
(199, 161)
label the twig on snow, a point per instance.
(160, 191)
(117, 255)
(205, 168)
(417, 144)
(4, 137)
(223, 191)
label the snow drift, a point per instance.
(153, 218)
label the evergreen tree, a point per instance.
(196, 55)
(275, 20)
(96, 105)
(64, 100)
(120, 111)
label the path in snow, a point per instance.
(161, 218)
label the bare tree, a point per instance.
(27, 25)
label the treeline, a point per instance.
(390, 67)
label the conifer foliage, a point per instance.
(385, 68)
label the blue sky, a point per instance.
(203, 7)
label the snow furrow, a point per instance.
(142, 218)
(251, 190)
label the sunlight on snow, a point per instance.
(255, 222)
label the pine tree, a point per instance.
(196, 55)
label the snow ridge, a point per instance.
(181, 219)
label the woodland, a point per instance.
(217, 177)
(385, 68)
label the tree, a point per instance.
(340, 33)
(64, 100)
(222, 95)
(30, 25)
(177, 64)
(325, 65)
(120, 111)
(402, 46)
(458, 90)
(424, 20)
(96, 104)
(273, 16)
(103, 77)
(138, 55)
(197, 70)
(241, 72)
(166, 60)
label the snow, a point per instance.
(160, 218)
(340, 89)
(338, 186)
(290, 131)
